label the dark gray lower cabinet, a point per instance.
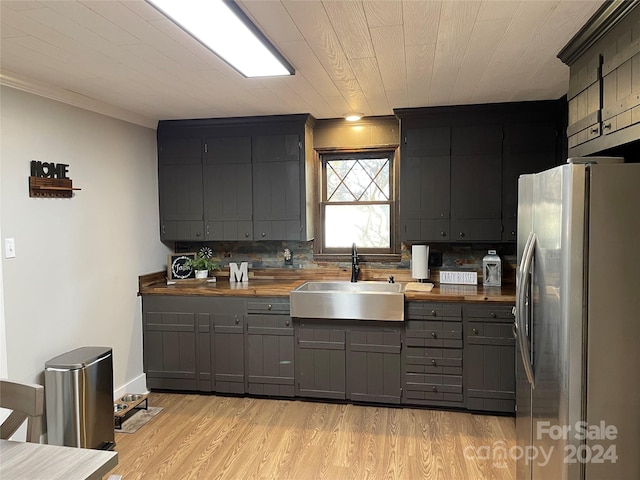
(432, 361)
(489, 363)
(227, 342)
(269, 348)
(237, 345)
(320, 359)
(169, 345)
(373, 363)
(194, 343)
(352, 360)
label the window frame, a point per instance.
(391, 152)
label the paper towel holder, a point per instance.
(420, 263)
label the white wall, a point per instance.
(73, 282)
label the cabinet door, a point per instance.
(270, 355)
(276, 187)
(489, 358)
(228, 352)
(373, 365)
(585, 100)
(320, 361)
(528, 148)
(169, 347)
(228, 208)
(180, 188)
(621, 80)
(424, 184)
(476, 184)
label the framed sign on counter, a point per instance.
(178, 267)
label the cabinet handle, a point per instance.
(493, 315)
(207, 232)
(264, 234)
(237, 320)
(433, 362)
(513, 233)
(434, 313)
(435, 389)
(269, 307)
(475, 331)
(287, 323)
(462, 234)
(197, 234)
(607, 126)
(163, 230)
(434, 335)
(443, 234)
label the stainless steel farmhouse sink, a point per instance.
(344, 300)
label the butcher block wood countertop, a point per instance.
(280, 282)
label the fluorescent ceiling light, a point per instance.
(225, 29)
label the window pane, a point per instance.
(366, 225)
(357, 180)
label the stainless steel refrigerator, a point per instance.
(578, 322)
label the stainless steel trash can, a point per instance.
(79, 398)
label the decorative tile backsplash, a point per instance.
(270, 254)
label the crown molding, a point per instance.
(25, 84)
(605, 18)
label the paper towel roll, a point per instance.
(420, 261)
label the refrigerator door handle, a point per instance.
(523, 286)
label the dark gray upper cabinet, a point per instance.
(604, 90)
(459, 167)
(425, 184)
(528, 147)
(476, 178)
(277, 187)
(180, 188)
(228, 195)
(243, 178)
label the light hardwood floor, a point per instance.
(213, 437)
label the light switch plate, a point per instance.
(9, 247)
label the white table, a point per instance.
(36, 461)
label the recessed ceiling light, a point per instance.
(353, 117)
(224, 28)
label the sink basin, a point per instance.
(344, 300)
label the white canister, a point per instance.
(492, 270)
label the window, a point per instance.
(357, 202)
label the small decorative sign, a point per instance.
(50, 180)
(178, 267)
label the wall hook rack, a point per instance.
(41, 187)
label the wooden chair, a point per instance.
(27, 402)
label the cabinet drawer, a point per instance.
(497, 313)
(489, 334)
(445, 311)
(446, 361)
(268, 306)
(434, 334)
(434, 387)
(269, 325)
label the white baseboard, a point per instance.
(137, 385)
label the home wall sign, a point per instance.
(50, 180)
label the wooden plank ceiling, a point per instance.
(125, 59)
